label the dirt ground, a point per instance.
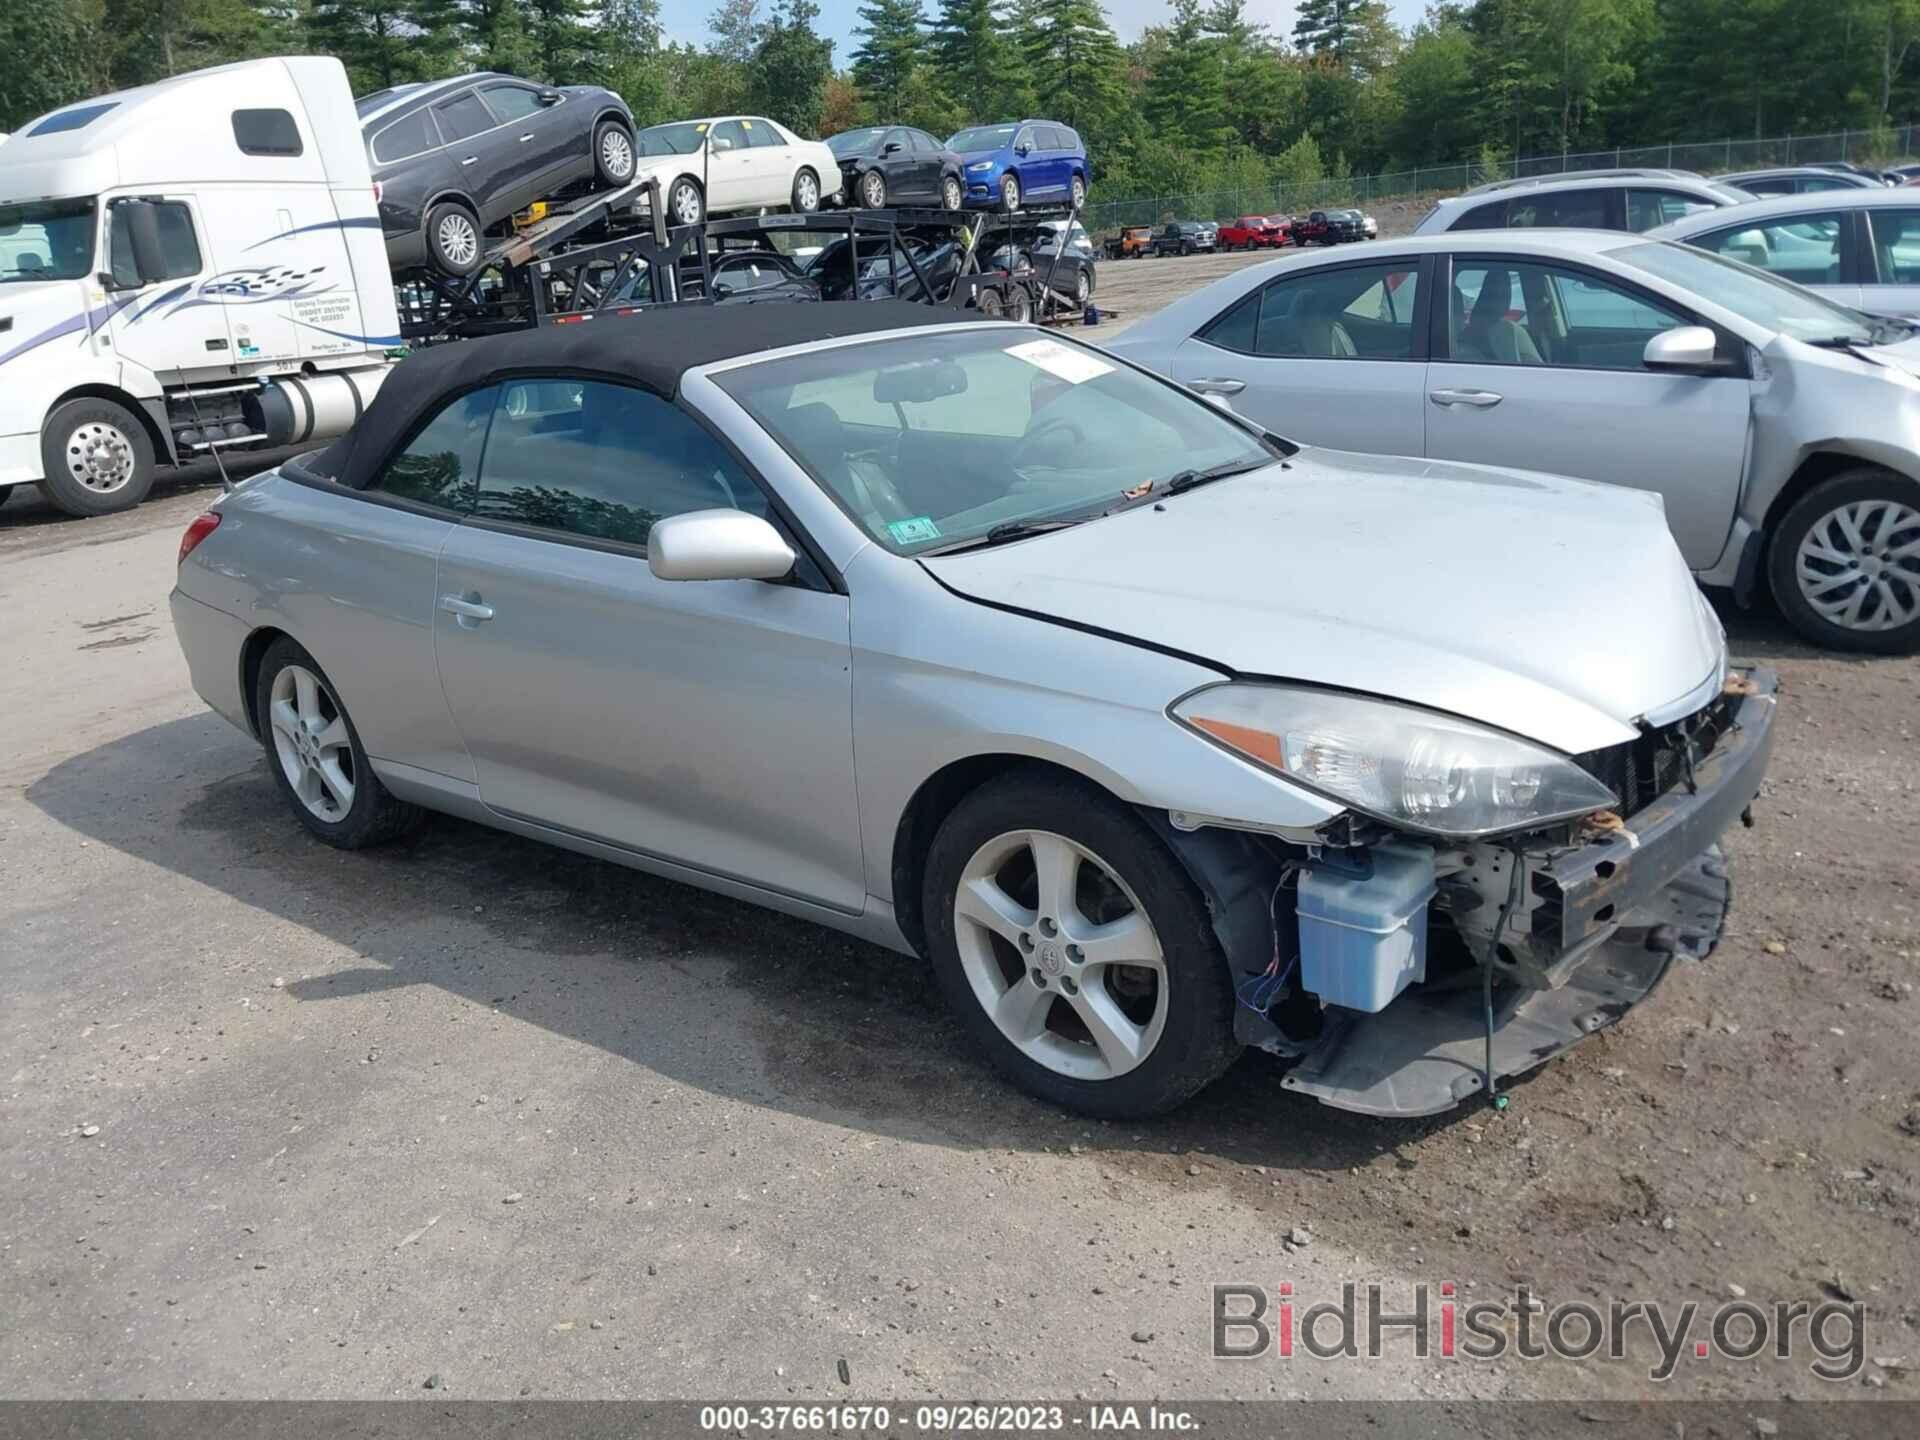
(281, 1121)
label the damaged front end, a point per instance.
(1402, 973)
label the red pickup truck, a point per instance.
(1251, 232)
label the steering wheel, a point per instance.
(1047, 434)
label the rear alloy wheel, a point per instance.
(1845, 563)
(685, 204)
(1075, 949)
(316, 757)
(453, 239)
(1009, 193)
(1079, 192)
(613, 154)
(951, 195)
(96, 458)
(806, 192)
(1083, 286)
(873, 190)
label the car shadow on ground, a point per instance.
(831, 1026)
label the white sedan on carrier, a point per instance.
(1780, 430)
(734, 163)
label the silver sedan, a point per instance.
(1780, 430)
(1156, 735)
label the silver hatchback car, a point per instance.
(1157, 735)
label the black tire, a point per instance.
(992, 302)
(1867, 484)
(873, 190)
(1009, 194)
(1019, 303)
(96, 457)
(686, 202)
(375, 816)
(6, 493)
(1077, 192)
(609, 169)
(1196, 1042)
(1083, 285)
(454, 242)
(952, 193)
(800, 180)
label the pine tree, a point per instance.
(1076, 63)
(737, 27)
(986, 73)
(893, 43)
(53, 52)
(374, 39)
(787, 77)
(566, 46)
(1186, 94)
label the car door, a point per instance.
(1893, 252)
(546, 146)
(708, 724)
(410, 166)
(1539, 366)
(166, 325)
(483, 153)
(926, 166)
(774, 164)
(1333, 355)
(1817, 249)
(731, 183)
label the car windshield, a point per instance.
(681, 138)
(853, 142)
(937, 441)
(1751, 294)
(47, 240)
(983, 137)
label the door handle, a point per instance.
(1217, 385)
(471, 160)
(524, 138)
(1478, 399)
(467, 612)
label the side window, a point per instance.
(1805, 249)
(1507, 314)
(1648, 208)
(1777, 185)
(1362, 312)
(1820, 184)
(602, 461)
(511, 102)
(1491, 216)
(897, 137)
(462, 117)
(728, 135)
(1051, 138)
(414, 135)
(266, 132)
(1026, 138)
(1579, 209)
(1072, 138)
(761, 134)
(179, 248)
(440, 465)
(1896, 245)
(1235, 330)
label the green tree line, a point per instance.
(1209, 99)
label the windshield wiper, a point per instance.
(1189, 479)
(1009, 530)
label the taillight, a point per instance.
(378, 191)
(202, 526)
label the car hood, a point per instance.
(1551, 608)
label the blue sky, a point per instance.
(687, 19)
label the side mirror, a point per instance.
(1689, 349)
(1022, 149)
(717, 545)
(892, 147)
(139, 221)
(549, 99)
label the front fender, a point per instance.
(1811, 402)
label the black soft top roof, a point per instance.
(653, 349)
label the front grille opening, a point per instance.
(1642, 770)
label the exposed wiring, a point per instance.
(1258, 992)
(1498, 1102)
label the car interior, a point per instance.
(1805, 249)
(1530, 315)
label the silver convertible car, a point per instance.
(1156, 735)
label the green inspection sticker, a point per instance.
(912, 532)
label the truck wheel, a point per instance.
(612, 154)
(1075, 949)
(1009, 193)
(453, 238)
(96, 457)
(1844, 563)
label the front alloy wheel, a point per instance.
(1075, 948)
(1846, 563)
(951, 195)
(873, 189)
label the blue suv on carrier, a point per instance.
(1022, 161)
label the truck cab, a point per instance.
(185, 267)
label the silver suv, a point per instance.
(1638, 202)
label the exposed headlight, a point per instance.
(1412, 768)
(979, 167)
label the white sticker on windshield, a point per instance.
(1073, 366)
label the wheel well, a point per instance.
(162, 444)
(1816, 468)
(936, 798)
(250, 656)
(611, 114)
(456, 197)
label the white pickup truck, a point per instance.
(191, 265)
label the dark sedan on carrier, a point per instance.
(897, 165)
(452, 159)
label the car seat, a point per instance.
(1490, 332)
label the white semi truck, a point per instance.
(187, 266)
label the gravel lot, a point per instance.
(280, 1121)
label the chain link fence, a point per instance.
(1709, 157)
